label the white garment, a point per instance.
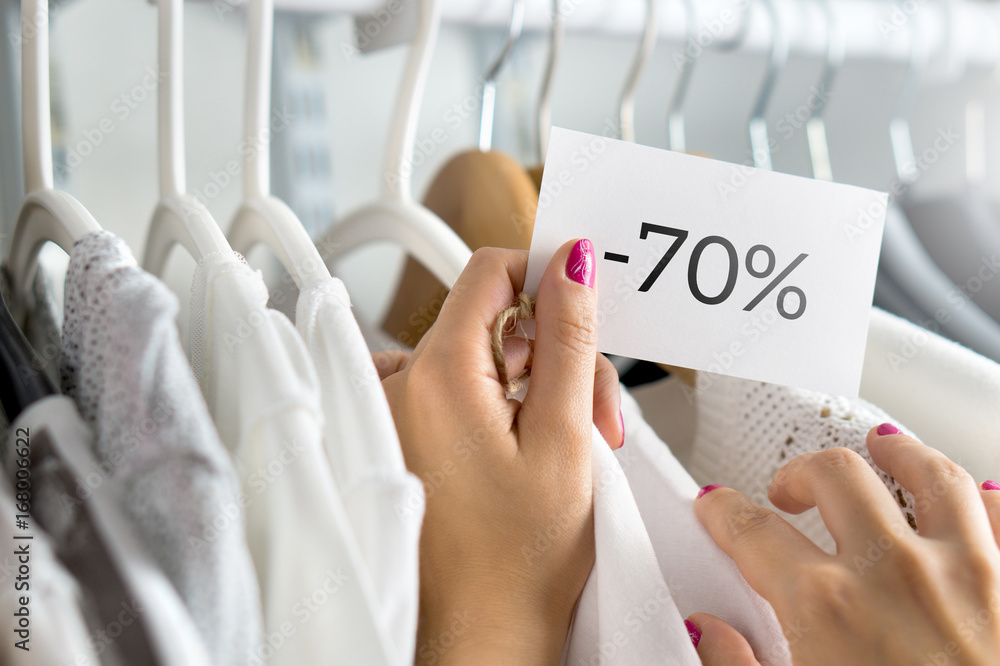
(747, 430)
(699, 575)
(263, 392)
(948, 394)
(58, 631)
(655, 564)
(626, 614)
(123, 364)
(384, 502)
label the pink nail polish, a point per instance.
(991, 485)
(621, 420)
(580, 264)
(707, 489)
(887, 429)
(694, 633)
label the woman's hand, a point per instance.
(889, 595)
(508, 536)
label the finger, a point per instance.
(947, 502)
(767, 550)
(990, 492)
(488, 284)
(388, 363)
(607, 403)
(717, 643)
(559, 403)
(852, 500)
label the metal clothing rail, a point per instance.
(963, 32)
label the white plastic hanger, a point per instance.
(626, 103)
(46, 214)
(262, 218)
(904, 261)
(514, 27)
(396, 217)
(179, 217)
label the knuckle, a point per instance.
(842, 461)
(942, 468)
(747, 523)
(576, 333)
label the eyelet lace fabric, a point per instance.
(747, 430)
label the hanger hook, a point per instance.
(899, 126)
(819, 148)
(675, 109)
(778, 57)
(170, 97)
(36, 111)
(260, 37)
(626, 103)
(544, 120)
(514, 28)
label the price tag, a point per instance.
(716, 266)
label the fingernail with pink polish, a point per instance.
(707, 489)
(991, 485)
(580, 265)
(694, 633)
(887, 429)
(621, 420)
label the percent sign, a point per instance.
(681, 235)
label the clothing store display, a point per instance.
(383, 501)
(947, 394)
(133, 613)
(264, 395)
(123, 365)
(216, 476)
(58, 626)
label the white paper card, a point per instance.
(741, 271)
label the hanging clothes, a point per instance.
(133, 613)
(58, 629)
(122, 363)
(384, 502)
(264, 394)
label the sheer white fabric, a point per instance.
(383, 501)
(264, 395)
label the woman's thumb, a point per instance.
(561, 392)
(717, 643)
